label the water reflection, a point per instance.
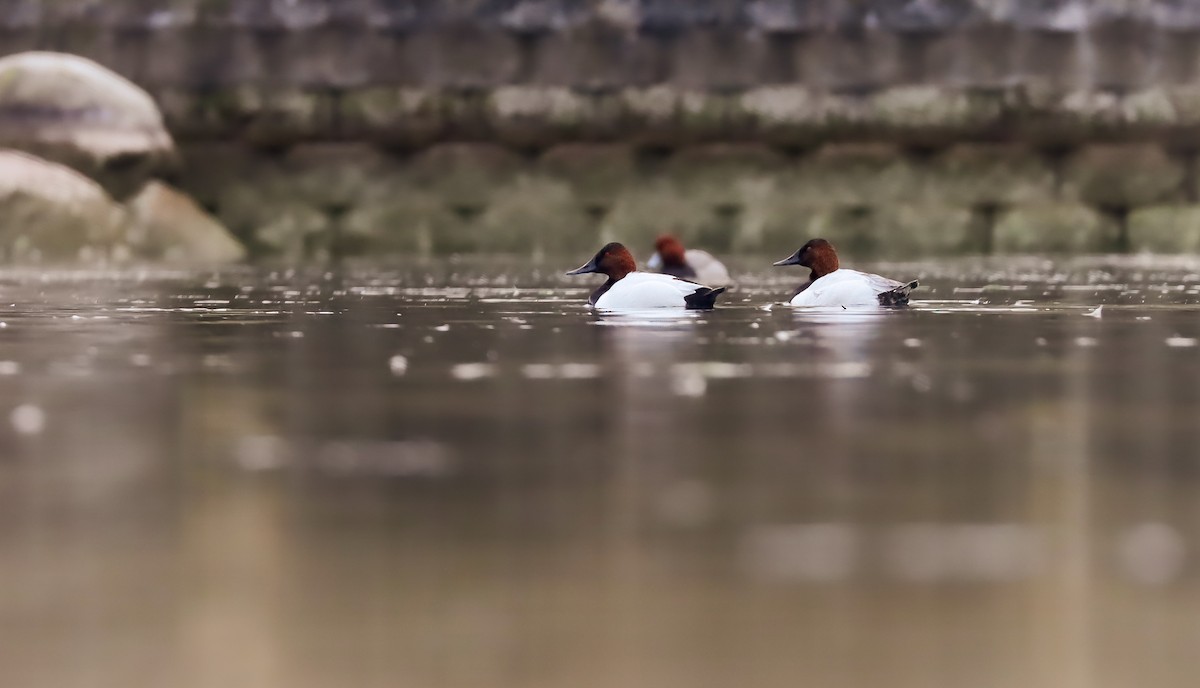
(436, 475)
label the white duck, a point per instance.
(628, 289)
(830, 285)
(670, 258)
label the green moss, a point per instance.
(1057, 228)
(986, 174)
(1165, 229)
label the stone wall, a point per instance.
(896, 126)
(872, 198)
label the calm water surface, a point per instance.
(451, 474)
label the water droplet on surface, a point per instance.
(811, 552)
(9, 367)
(1181, 342)
(687, 503)
(398, 364)
(260, 453)
(688, 384)
(1151, 553)
(28, 419)
(472, 371)
(922, 383)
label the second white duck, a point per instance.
(831, 285)
(671, 258)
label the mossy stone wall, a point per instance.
(320, 127)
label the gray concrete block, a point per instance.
(1122, 54)
(853, 175)
(1057, 59)
(986, 174)
(1178, 56)
(208, 169)
(1165, 229)
(404, 221)
(599, 55)
(1059, 119)
(718, 174)
(927, 16)
(879, 231)
(462, 56)
(797, 116)
(281, 117)
(644, 211)
(465, 175)
(394, 116)
(1122, 175)
(536, 116)
(932, 115)
(719, 59)
(926, 231)
(597, 173)
(974, 56)
(336, 56)
(850, 61)
(335, 175)
(1055, 228)
(536, 214)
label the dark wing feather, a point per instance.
(703, 298)
(898, 297)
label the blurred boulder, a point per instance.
(73, 111)
(53, 213)
(166, 224)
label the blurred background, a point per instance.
(899, 128)
(293, 393)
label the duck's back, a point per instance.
(708, 269)
(639, 290)
(845, 287)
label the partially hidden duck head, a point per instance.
(817, 255)
(673, 256)
(613, 260)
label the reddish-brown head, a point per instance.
(613, 260)
(818, 255)
(671, 250)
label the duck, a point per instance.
(831, 285)
(670, 258)
(629, 289)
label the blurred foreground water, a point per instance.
(446, 474)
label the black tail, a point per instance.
(703, 298)
(898, 297)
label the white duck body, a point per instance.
(844, 287)
(642, 290)
(708, 269)
(628, 289)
